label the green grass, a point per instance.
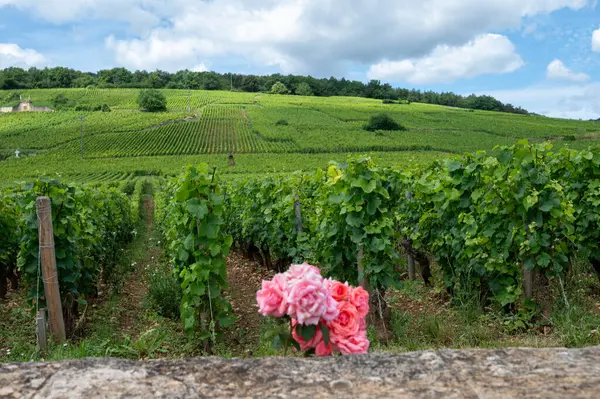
(127, 141)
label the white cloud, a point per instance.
(596, 41)
(486, 54)
(199, 68)
(156, 53)
(299, 36)
(12, 55)
(138, 13)
(558, 70)
(573, 101)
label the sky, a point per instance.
(543, 55)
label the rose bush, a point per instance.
(325, 316)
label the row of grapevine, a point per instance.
(9, 241)
(47, 130)
(220, 129)
(341, 219)
(190, 214)
(90, 227)
(136, 199)
(483, 218)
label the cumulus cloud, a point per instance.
(486, 54)
(575, 101)
(11, 55)
(169, 55)
(596, 41)
(140, 14)
(321, 37)
(558, 70)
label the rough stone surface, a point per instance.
(502, 373)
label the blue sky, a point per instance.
(541, 54)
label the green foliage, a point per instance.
(304, 89)
(261, 212)
(152, 100)
(148, 344)
(523, 319)
(93, 108)
(485, 217)
(164, 293)
(357, 215)
(90, 227)
(191, 214)
(482, 217)
(136, 199)
(10, 231)
(279, 88)
(128, 187)
(61, 102)
(282, 122)
(382, 122)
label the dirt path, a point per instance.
(135, 288)
(245, 278)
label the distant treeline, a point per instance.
(60, 77)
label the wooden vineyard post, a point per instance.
(49, 272)
(528, 282)
(411, 267)
(40, 327)
(298, 213)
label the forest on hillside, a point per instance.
(61, 77)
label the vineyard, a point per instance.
(200, 125)
(499, 229)
(502, 225)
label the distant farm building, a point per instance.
(25, 106)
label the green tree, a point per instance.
(251, 84)
(60, 102)
(211, 81)
(279, 88)
(152, 100)
(304, 89)
(383, 122)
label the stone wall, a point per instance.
(500, 373)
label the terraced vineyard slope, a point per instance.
(266, 133)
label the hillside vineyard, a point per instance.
(266, 133)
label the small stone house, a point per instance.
(25, 106)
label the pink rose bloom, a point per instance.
(306, 345)
(323, 350)
(332, 312)
(354, 345)
(360, 298)
(362, 328)
(346, 324)
(272, 298)
(340, 292)
(297, 273)
(309, 300)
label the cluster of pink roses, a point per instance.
(309, 299)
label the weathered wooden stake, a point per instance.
(40, 324)
(528, 282)
(298, 213)
(49, 273)
(411, 267)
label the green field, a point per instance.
(267, 133)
